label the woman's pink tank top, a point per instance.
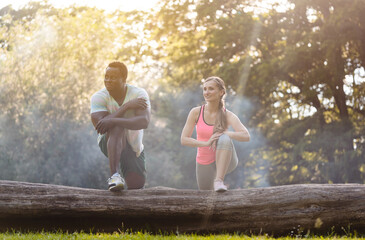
(204, 131)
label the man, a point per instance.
(119, 113)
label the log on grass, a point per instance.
(282, 210)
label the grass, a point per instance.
(147, 236)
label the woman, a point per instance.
(216, 155)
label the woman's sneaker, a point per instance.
(219, 186)
(116, 183)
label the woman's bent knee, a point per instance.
(224, 142)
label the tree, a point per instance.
(297, 210)
(293, 68)
(320, 54)
(295, 78)
(54, 65)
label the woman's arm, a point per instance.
(188, 129)
(240, 132)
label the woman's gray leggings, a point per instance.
(205, 174)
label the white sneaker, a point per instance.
(116, 183)
(219, 186)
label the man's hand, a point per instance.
(104, 125)
(137, 103)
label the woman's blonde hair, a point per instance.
(220, 124)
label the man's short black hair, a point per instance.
(122, 67)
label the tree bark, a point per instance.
(282, 210)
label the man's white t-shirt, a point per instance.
(101, 101)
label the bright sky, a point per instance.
(125, 5)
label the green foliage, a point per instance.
(48, 76)
(294, 67)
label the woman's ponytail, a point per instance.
(220, 124)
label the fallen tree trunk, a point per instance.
(290, 209)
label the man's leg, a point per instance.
(112, 145)
(116, 142)
(133, 168)
(134, 180)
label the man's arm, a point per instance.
(137, 122)
(134, 103)
(103, 120)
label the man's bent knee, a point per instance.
(134, 180)
(116, 131)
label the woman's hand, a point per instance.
(212, 142)
(228, 133)
(137, 103)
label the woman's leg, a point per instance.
(226, 157)
(234, 160)
(205, 175)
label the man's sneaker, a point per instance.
(116, 183)
(219, 186)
